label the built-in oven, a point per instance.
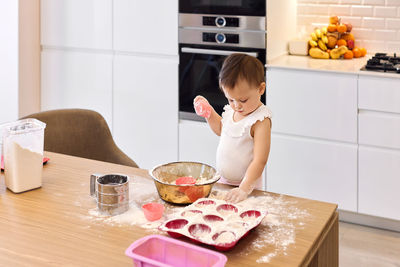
(225, 7)
(207, 38)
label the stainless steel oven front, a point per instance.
(203, 48)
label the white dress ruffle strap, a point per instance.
(236, 129)
(235, 148)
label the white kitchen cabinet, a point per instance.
(379, 129)
(146, 26)
(313, 104)
(379, 182)
(76, 23)
(379, 94)
(197, 142)
(77, 80)
(145, 105)
(315, 169)
(9, 62)
(19, 59)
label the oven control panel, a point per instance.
(220, 38)
(220, 21)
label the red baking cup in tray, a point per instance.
(214, 222)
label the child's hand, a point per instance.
(202, 107)
(236, 195)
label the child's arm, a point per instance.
(262, 141)
(204, 109)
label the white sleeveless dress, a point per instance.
(235, 148)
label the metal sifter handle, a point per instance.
(93, 179)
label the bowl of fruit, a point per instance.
(184, 182)
(334, 41)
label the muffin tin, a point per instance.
(213, 222)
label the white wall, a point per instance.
(8, 60)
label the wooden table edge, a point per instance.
(334, 219)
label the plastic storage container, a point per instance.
(162, 251)
(23, 142)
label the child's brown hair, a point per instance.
(241, 66)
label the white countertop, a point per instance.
(350, 66)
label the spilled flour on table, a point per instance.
(140, 193)
(277, 230)
(275, 234)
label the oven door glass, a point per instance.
(224, 7)
(199, 67)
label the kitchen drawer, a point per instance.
(379, 182)
(315, 169)
(313, 104)
(378, 93)
(379, 129)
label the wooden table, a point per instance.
(49, 226)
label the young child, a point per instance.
(245, 125)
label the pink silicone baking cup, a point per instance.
(153, 211)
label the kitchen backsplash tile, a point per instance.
(362, 11)
(317, 9)
(385, 11)
(393, 2)
(355, 21)
(379, 45)
(374, 2)
(393, 24)
(389, 35)
(362, 33)
(376, 23)
(339, 9)
(394, 46)
(353, 2)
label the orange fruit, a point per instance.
(332, 28)
(357, 52)
(348, 54)
(341, 28)
(341, 42)
(348, 36)
(363, 51)
(334, 20)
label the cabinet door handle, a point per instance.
(214, 52)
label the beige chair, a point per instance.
(82, 133)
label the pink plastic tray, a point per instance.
(162, 251)
(213, 222)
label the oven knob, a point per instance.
(220, 22)
(220, 38)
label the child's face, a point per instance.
(244, 98)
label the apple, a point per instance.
(334, 20)
(348, 26)
(350, 44)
